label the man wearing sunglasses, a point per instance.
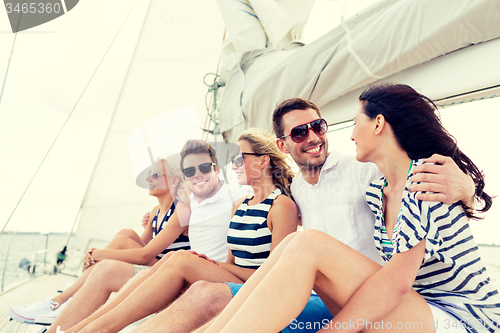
(330, 188)
(211, 200)
(329, 191)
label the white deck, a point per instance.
(31, 292)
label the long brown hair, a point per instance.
(419, 131)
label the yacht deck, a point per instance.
(31, 292)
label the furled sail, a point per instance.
(384, 39)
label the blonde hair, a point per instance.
(264, 143)
(172, 167)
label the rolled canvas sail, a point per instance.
(384, 39)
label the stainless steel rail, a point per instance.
(34, 262)
(6, 258)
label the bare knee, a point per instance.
(107, 273)
(167, 256)
(119, 242)
(179, 259)
(127, 233)
(210, 297)
(304, 242)
(103, 269)
(311, 233)
(290, 237)
(160, 263)
(308, 237)
(178, 263)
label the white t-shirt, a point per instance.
(209, 222)
(337, 204)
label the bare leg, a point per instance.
(311, 260)
(122, 295)
(201, 302)
(205, 327)
(124, 239)
(180, 271)
(107, 277)
(71, 290)
(249, 286)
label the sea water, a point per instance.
(24, 245)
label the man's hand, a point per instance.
(203, 256)
(443, 182)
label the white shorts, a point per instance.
(140, 268)
(444, 322)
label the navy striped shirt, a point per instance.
(249, 237)
(181, 243)
(451, 275)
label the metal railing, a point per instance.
(34, 258)
(6, 258)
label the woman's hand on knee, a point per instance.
(88, 260)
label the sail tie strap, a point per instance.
(350, 48)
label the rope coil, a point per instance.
(212, 107)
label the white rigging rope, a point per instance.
(7, 70)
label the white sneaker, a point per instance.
(27, 314)
(48, 319)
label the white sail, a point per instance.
(158, 54)
(56, 83)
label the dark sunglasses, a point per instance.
(204, 168)
(155, 175)
(238, 159)
(300, 133)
